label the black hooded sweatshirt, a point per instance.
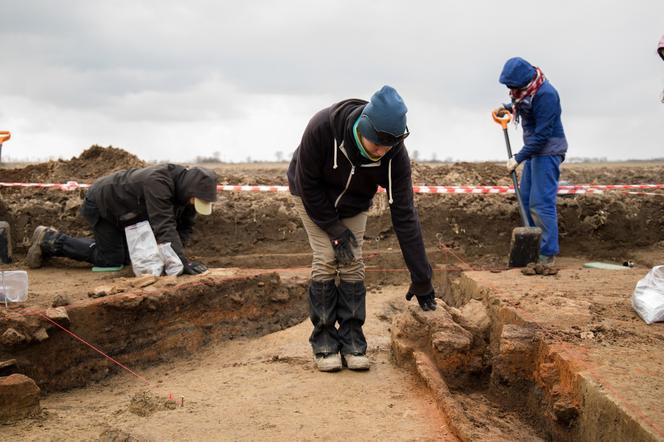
(335, 181)
(159, 194)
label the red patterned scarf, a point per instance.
(517, 95)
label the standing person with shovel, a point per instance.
(536, 104)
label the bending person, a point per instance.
(346, 152)
(168, 196)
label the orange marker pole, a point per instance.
(4, 136)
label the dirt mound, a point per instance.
(460, 174)
(255, 177)
(93, 163)
(611, 225)
(613, 174)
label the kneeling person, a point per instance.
(168, 196)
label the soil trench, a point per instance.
(252, 389)
(225, 355)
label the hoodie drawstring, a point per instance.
(389, 181)
(335, 154)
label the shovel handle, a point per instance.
(502, 120)
(4, 136)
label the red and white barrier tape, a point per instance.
(69, 185)
(562, 190)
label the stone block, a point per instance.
(12, 338)
(474, 318)
(41, 335)
(58, 314)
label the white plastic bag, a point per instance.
(648, 297)
(172, 262)
(143, 250)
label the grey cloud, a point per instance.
(176, 62)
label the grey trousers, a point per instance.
(324, 266)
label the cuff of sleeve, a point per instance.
(519, 158)
(420, 288)
(336, 230)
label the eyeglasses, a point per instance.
(386, 138)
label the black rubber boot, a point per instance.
(48, 242)
(42, 246)
(323, 314)
(351, 313)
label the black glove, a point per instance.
(427, 301)
(193, 268)
(342, 247)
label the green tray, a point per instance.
(604, 266)
(107, 269)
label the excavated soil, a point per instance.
(614, 225)
(262, 230)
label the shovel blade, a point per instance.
(524, 247)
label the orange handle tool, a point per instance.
(504, 120)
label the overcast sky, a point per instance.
(172, 80)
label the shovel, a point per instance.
(524, 246)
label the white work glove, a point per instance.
(511, 165)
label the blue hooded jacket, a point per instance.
(543, 132)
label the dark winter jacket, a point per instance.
(159, 194)
(543, 132)
(335, 181)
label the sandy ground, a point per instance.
(258, 389)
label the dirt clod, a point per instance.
(40, 335)
(144, 281)
(60, 301)
(146, 403)
(58, 314)
(11, 338)
(115, 435)
(539, 269)
(104, 290)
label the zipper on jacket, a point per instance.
(350, 177)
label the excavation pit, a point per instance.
(564, 355)
(142, 321)
(512, 357)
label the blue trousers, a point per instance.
(539, 188)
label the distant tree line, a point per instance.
(281, 157)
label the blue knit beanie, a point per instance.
(386, 112)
